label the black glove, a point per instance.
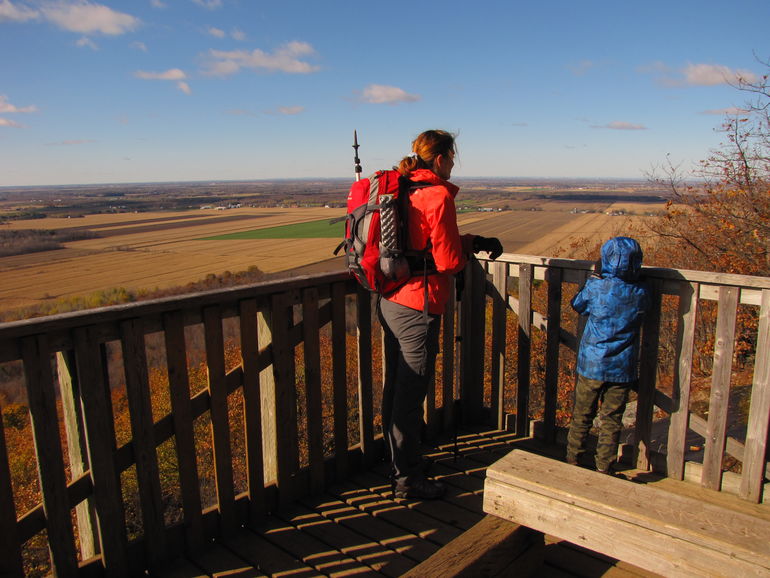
(491, 245)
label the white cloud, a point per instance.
(620, 125)
(171, 74)
(87, 18)
(383, 94)
(287, 110)
(9, 122)
(86, 42)
(72, 142)
(157, 4)
(9, 12)
(209, 4)
(730, 111)
(184, 87)
(238, 35)
(217, 32)
(7, 107)
(139, 46)
(287, 58)
(582, 67)
(713, 74)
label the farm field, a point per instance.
(156, 250)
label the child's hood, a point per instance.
(622, 258)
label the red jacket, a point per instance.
(432, 217)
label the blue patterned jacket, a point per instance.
(615, 304)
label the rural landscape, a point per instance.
(65, 243)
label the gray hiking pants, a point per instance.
(411, 347)
(588, 395)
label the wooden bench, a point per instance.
(647, 526)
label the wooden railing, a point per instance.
(301, 393)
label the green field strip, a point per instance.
(321, 229)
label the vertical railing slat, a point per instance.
(553, 330)
(499, 308)
(100, 433)
(339, 378)
(685, 340)
(285, 399)
(647, 379)
(10, 547)
(220, 423)
(716, 429)
(754, 458)
(311, 331)
(179, 393)
(252, 405)
(143, 437)
(364, 357)
(74, 428)
(474, 344)
(50, 461)
(448, 361)
(525, 349)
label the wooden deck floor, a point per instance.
(356, 528)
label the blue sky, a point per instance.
(170, 90)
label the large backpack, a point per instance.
(376, 242)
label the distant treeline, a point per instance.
(23, 241)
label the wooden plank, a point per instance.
(181, 408)
(685, 340)
(662, 531)
(50, 462)
(499, 309)
(143, 439)
(553, 331)
(268, 559)
(313, 388)
(364, 358)
(524, 349)
(471, 325)
(755, 455)
(724, 340)
(285, 398)
(74, 428)
(384, 560)
(10, 545)
(100, 432)
(340, 380)
(220, 422)
(252, 406)
(267, 389)
(486, 549)
(648, 371)
(448, 360)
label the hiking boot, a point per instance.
(420, 488)
(612, 473)
(571, 460)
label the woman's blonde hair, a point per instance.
(425, 148)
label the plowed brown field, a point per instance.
(160, 250)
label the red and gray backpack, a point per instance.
(376, 242)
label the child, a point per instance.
(615, 303)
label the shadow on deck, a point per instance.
(357, 528)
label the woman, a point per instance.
(411, 335)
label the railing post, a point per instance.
(340, 379)
(554, 278)
(499, 314)
(647, 378)
(525, 349)
(76, 449)
(267, 386)
(364, 358)
(755, 456)
(724, 345)
(473, 342)
(685, 339)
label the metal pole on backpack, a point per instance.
(457, 404)
(356, 160)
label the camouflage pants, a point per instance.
(589, 394)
